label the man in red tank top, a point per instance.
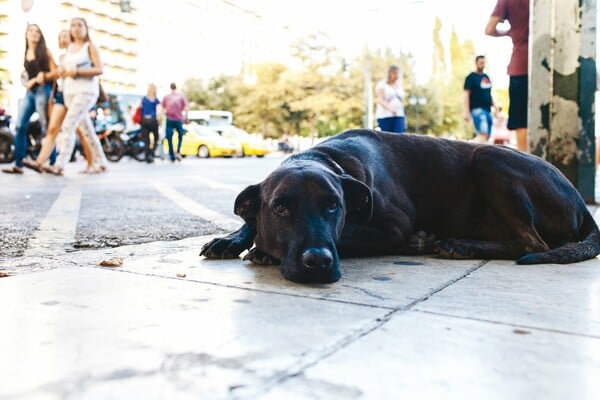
(516, 12)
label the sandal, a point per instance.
(33, 165)
(13, 170)
(58, 171)
(88, 170)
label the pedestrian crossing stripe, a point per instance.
(195, 208)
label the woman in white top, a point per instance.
(390, 109)
(80, 69)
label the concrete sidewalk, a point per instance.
(170, 325)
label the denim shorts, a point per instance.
(482, 119)
(59, 98)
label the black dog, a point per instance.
(364, 192)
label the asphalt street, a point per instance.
(133, 203)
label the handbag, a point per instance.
(137, 115)
(102, 97)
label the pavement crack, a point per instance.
(367, 292)
(513, 325)
(443, 286)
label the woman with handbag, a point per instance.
(40, 71)
(149, 121)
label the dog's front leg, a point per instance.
(230, 246)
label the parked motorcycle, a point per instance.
(117, 143)
(7, 138)
(7, 147)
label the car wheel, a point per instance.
(203, 152)
(260, 155)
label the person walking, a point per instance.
(57, 115)
(390, 108)
(478, 101)
(150, 122)
(516, 12)
(40, 69)
(175, 105)
(81, 67)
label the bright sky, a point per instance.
(215, 45)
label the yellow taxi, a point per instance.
(250, 146)
(204, 142)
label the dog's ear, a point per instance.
(358, 198)
(247, 204)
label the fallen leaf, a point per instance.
(112, 262)
(181, 275)
(521, 332)
(3, 275)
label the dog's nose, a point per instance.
(317, 258)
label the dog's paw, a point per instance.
(454, 249)
(222, 248)
(419, 243)
(260, 257)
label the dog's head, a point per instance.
(299, 212)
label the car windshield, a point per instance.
(202, 131)
(236, 133)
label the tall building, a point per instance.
(114, 32)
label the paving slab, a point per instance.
(88, 333)
(417, 355)
(392, 282)
(564, 298)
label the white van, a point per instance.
(210, 117)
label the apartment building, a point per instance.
(113, 31)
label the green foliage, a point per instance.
(326, 94)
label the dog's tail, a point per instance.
(588, 247)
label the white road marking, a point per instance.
(195, 208)
(59, 226)
(220, 185)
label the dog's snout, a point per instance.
(317, 258)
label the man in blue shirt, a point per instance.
(478, 101)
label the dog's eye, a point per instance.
(280, 209)
(332, 206)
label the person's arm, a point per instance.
(491, 28)
(467, 105)
(382, 102)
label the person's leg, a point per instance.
(479, 117)
(180, 133)
(518, 93)
(385, 124)
(169, 137)
(145, 131)
(48, 150)
(87, 151)
(90, 138)
(154, 131)
(77, 108)
(26, 110)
